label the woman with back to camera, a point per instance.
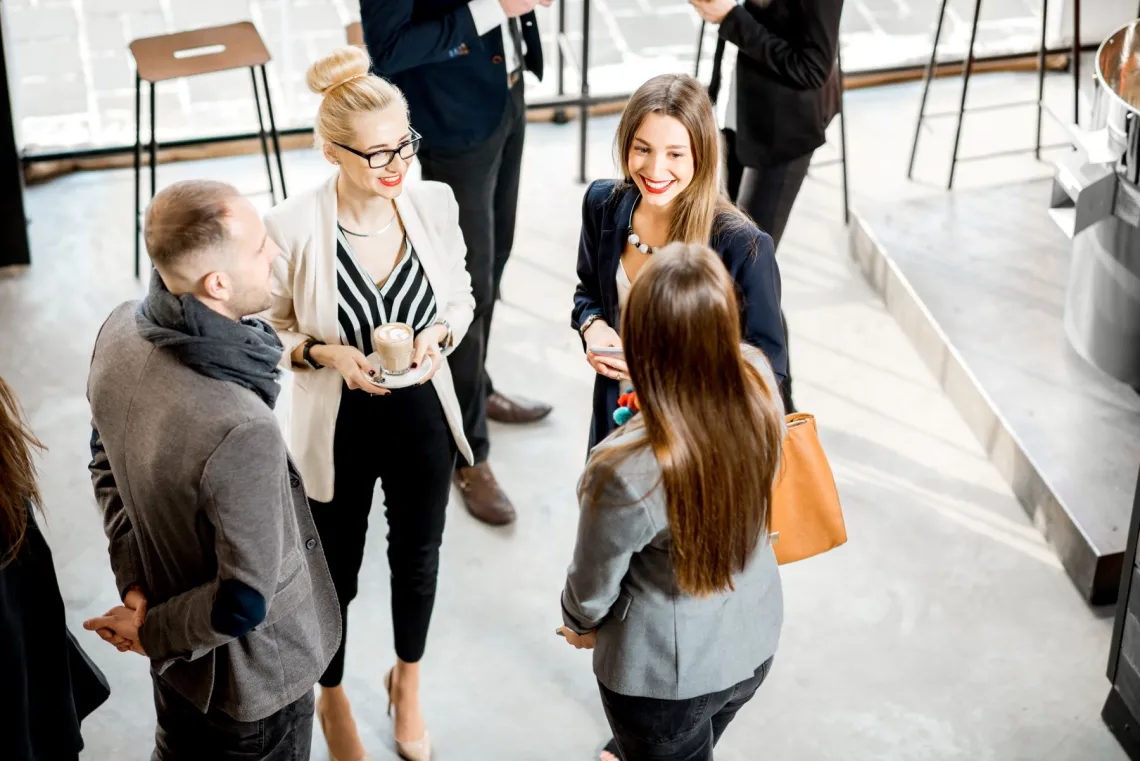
(667, 148)
(674, 583)
(48, 684)
(362, 250)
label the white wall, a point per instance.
(1099, 18)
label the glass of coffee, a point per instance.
(394, 347)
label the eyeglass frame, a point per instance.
(414, 142)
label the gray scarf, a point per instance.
(244, 352)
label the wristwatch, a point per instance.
(587, 323)
(446, 342)
(306, 354)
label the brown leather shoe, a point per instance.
(504, 409)
(485, 500)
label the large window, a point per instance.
(73, 79)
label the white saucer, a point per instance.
(410, 378)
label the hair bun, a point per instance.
(337, 68)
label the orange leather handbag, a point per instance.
(806, 517)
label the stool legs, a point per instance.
(138, 170)
(273, 132)
(261, 134)
(153, 146)
(926, 79)
(965, 87)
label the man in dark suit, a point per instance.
(460, 65)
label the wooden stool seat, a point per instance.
(191, 53)
(199, 51)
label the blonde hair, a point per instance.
(702, 209)
(343, 78)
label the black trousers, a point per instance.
(767, 194)
(186, 734)
(646, 729)
(404, 441)
(485, 180)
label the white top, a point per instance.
(624, 284)
(487, 15)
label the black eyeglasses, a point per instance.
(382, 158)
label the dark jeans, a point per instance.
(767, 194)
(646, 729)
(485, 180)
(186, 734)
(404, 441)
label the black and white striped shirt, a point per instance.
(362, 306)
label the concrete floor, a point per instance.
(945, 628)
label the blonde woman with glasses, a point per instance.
(364, 249)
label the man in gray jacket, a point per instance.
(206, 515)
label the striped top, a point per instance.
(363, 306)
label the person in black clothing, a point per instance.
(460, 63)
(49, 684)
(785, 93)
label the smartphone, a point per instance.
(559, 632)
(608, 351)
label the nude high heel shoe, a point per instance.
(417, 750)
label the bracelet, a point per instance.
(446, 342)
(586, 325)
(307, 355)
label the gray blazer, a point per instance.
(196, 487)
(653, 640)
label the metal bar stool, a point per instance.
(187, 54)
(718, 55)
(1074, 63)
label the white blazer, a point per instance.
(305, 305)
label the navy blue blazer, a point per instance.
(748, 254)
(454, 80)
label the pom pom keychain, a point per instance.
(627, 407)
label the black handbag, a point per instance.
(89, 687)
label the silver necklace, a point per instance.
(635, 240)
(381, 231)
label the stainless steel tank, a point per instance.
(1096, 200)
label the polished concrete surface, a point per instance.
(978, 281)
(945, 628)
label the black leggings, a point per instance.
(767, 195)
(404, 441)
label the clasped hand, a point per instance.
(120, 625)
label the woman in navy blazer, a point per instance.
(667, 144)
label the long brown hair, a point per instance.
(17, 474)
(709, 417)
(701, 208)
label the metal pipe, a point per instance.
(965, 88)
(843, 134)
(1041, 78)
(700, 47)
(558, 39)
(584, 110)
(1076, 54)
(927, 77)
